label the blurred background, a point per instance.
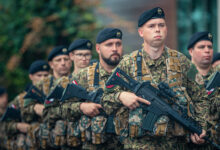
(29, 29)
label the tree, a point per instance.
(30, 29)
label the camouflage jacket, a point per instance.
(84, 79)
(8, 127)
(45, 86)
(157, 70)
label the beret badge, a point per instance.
(64, 50)
(89, 44)
(44, 66)
(210, 36)
(159, 11)
(118, 34)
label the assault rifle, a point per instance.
(214, 81)
(72, 90)
(158, 106)
(35, 93)
(56, 93)
(11, 114)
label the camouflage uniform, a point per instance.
(15, 139)
(10, 137)
(213, 103)
(85, 78)
(39, 131)
(18, 101)
(171, 68)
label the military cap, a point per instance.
(80, 44)
(108, 33)
(199, 36)
(2, 90)
(39, 65)
(150, 14)
(58, 50)
(216, 57)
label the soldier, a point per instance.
(10, 129)
(38, 71)
(109, 48)
(80, 54)
(154, 62)
(200, 48)
(216, 60)
(201, 52)
(35, 112)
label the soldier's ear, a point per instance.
(97, 48)
(51, 64)
(140, 31)
(191, 51)
(71, 55)
(30, 77)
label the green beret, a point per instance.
(150, 14)
(58, 50)
(199, 36)
(80, 44)
(39, 65)
(108, 33)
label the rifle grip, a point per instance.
(149, 121)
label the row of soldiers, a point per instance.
(76, 123)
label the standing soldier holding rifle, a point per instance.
(155, 63)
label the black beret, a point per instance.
(199, 36)
(108, 33)
(150, 14)
(58, 50)
(39, 65)
(2, 91)
(80, 44)
(216, 57)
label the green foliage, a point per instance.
(31, 28)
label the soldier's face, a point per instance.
(110, 51)
(40, 75)
(61, 65)
(202, 53)
(81, 58)
(154, 32)
(3, 101)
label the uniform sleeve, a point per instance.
(9, 128)
(198, 95)
(110, 99)
(15, 102)
(82, 78)
(28, 112)
(71, 110)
